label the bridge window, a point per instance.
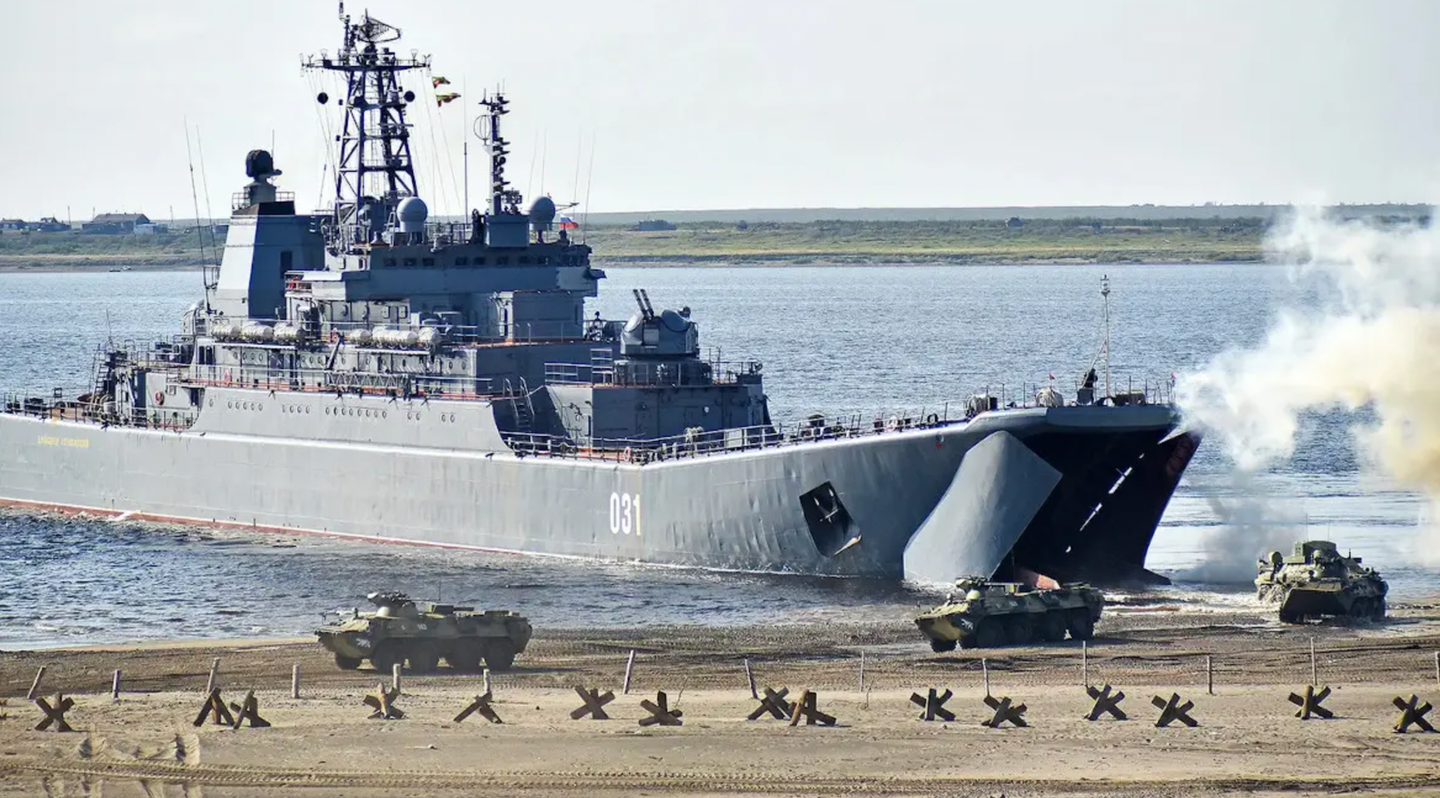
(462, 261)
(428, 262)
(410, 261)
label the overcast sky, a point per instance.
(741, 104)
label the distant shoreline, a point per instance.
(91, 266)
(1013, 241)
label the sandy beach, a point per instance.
(1247, 741)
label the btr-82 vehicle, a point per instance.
(1316, 581)
(984, 614)
(402, 631)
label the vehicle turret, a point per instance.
(1316, 581)
(421, 634)
(983, 614)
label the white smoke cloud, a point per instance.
(1373, 341)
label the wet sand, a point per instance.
(1247, 741)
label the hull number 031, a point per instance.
(625, 514)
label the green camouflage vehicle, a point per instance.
(401, 631)
(984, 614)
(1316, 581)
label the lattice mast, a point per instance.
(375, 166)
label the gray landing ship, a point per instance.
(368, 372)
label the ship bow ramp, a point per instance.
(997, 491)
(1079, 497)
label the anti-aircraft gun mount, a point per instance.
(1316, 581)
(985, 614)
(421, 634)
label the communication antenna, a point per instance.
(200, 233)
(589, 181)
(1105, 297)
(205, 184)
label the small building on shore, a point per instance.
(11, 224)
(48, 224)
(115, 223)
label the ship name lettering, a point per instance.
(73, 443)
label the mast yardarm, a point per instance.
(375, 170)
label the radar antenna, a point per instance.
(376, 169)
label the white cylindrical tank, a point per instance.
(287, 333)
(429, 337)
(257, 332)
(397, 339)
(225, 331)
(360, 337)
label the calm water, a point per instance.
(833, 340)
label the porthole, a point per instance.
(229, 405)
(384, 414)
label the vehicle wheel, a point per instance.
(1379, 609)
(1019, 630)
(423, 659)
(1052, 626)
(465, 656)
(1082, 627)
(499, 656)
(386, 656)
(989, 634)
(1286, 617)
(1360, 610)
(967, 642)
(941, 645)
(347, 663)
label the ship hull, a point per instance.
(929, 504)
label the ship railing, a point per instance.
(241, 199)
(821, 427)
(548, 331)
(635, 373)
(437, 386)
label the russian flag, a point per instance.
(566, 223)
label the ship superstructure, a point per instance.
(365, 371)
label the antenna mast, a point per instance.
(503, 199)
(375, 170)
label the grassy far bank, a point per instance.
(1033, 241)
(82, 250)
(1071, 240)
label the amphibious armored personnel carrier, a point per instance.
(1316, 581)
(402, 631)
(983, 614)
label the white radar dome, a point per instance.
(412, 213)
(542, 213)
